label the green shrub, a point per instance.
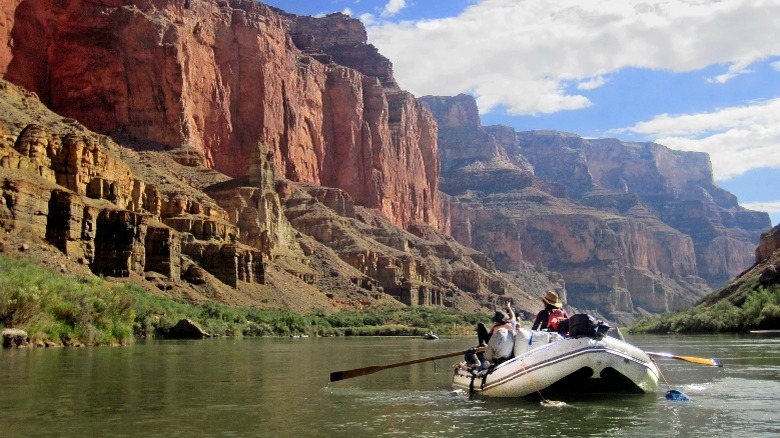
(69, 309)
(747, 309)
(63, 309)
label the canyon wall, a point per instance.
(69, 187)
(245, 154)
(628, 226)
(770, 243)
(222, 77)
(164, 220)
(260, 148)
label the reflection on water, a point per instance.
(280, 387)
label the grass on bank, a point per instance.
(749, 307)
(72, 310)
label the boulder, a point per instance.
(186, 329)
(15, 338)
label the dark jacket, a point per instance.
(540, 323)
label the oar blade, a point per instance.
(675, 395)
(701, 360)
(692, 359)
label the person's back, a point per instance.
(501, 344)
(552, 315)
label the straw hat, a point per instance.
(551, 298)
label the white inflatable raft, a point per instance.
(545, 360)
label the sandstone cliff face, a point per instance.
(69, 187)
(473, 156)
(676, 187)
(303, 117)
(770, 242)
(222, 77)
(163, 219)
(629, 227)
(272, 152)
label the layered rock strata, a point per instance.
(673, 186)
(277, 150)
(769, 244)
(430, 270)
(222, 77)
(186, 229)
(630, 227)
(66, 186)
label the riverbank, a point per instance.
(749, 302)
(68, 310)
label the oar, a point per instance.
(671, 394)
(357, 372)
(699, 360)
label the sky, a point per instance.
(693, 75)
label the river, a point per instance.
(280, 387)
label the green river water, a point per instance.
(280, 387)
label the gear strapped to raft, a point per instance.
(484, 374)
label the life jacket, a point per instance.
(506, 325)
(555, 317)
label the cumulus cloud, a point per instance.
(393, 7)
(592, 83)
(737, 139)
(523, 54)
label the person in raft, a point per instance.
(552, 317)
(499, 341)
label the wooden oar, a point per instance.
(357, 372)
(699, 360)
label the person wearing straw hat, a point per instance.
(552, 312)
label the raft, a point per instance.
(546, 361)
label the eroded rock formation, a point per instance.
(769, 244)
(629, 226)
(69, 187)
(185, 229)
(253, 156)
(221, 77)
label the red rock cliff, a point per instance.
(626, 225)
(769, 244)
(223, 76)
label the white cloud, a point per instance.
(775, 65)
(737, 139)
(393, 7)
(523, 54)
(592, 83)
(368, 19)
(772, 207)
(736, 69)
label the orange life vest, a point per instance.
(555, 317)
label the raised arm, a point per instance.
(511, 314)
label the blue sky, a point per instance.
(689, 74)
